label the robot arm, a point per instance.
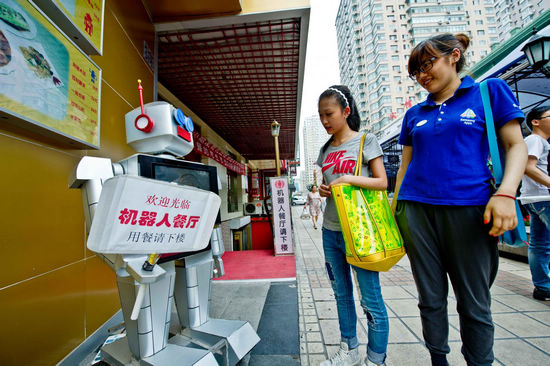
(89, 175)
(216, 242)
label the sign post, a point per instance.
(282, 228)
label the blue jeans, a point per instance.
(371, 298)
(539, 243)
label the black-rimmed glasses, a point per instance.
(425, 67)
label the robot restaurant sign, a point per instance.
(137, 215)
(280, 202)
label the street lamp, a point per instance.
(537, 51)
(275, 127)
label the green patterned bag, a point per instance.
(372, 238)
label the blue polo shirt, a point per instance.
(449, 144)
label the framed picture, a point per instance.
(47, 84)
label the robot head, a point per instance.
(159, 127)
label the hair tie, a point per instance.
(342, 94)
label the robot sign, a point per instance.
(137, 215)
(282, 228)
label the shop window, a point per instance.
(233, 189)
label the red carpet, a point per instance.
(257, 264)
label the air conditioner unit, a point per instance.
(253, 208)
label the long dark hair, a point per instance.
(353, 120)
(442, 44)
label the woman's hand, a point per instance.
(502, 211)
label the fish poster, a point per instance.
(45, 80)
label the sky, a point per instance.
(321, 69)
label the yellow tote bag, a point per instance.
(370, 232)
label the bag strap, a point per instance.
(507, 237)
(491, 133)
(360, 157)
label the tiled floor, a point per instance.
(522, 334)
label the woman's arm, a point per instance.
(406, 157)
(377, 182)
(502, 210)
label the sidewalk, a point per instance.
(522, 324)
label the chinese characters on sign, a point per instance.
(282, 228)
(137, 215)
(204, 147)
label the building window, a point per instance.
(233, 188)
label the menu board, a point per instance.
(46, 83)
(80, 20)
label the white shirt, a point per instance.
(539, 148)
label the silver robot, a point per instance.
(161, 133)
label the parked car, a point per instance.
(298, 200)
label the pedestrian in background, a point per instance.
(447, 211)
(535, 183)
(314, 204)
(337, 159)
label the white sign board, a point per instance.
(280, 203)
(137, 215)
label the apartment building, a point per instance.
(512, 15)
(375, 38)
(314, 137)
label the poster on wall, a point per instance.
(47, 85)
(80, 20)
(282, 228)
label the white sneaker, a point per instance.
(344, 357)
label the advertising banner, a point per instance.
(47, 84)
(206, 148)
(138, 215)
(282, 228)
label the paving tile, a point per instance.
(499, 290)
(315, 360)
(315, 347)
(497, 306)
(395, 292)
(309, 312)
(313, 337)
(521, 303)
(521, 325)
(310, 319)
(331, 331)
(312, 327)
(326, 309)
(411, 289)
(304, 361)
(541, 316)
(519, 352)
(399, 333)
(404, 307)
(407, 355)
(542, 343)
(323, 294)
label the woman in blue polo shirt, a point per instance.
(447, 211)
